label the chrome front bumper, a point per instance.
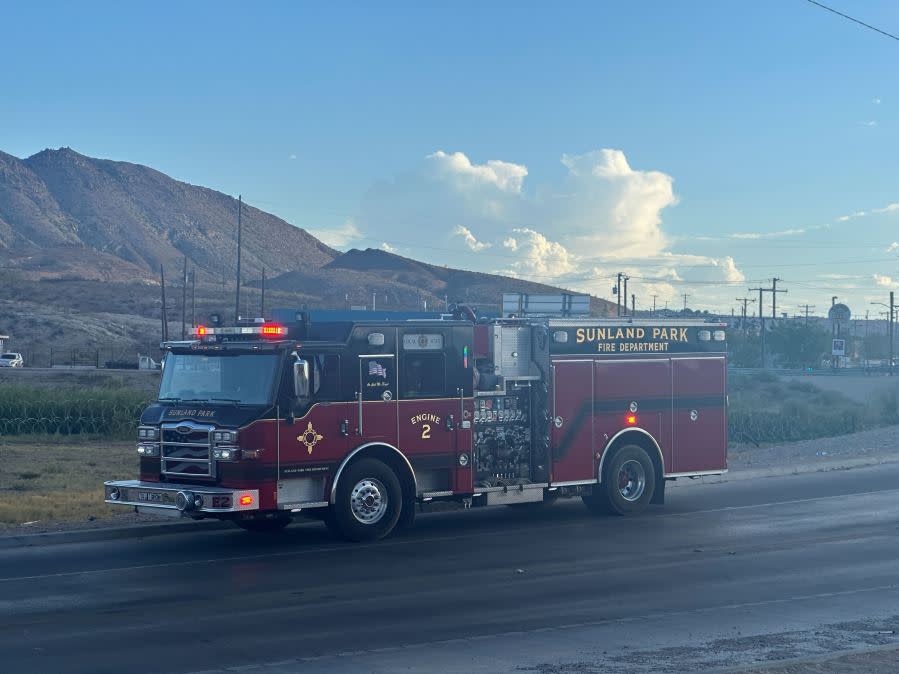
(187, 499)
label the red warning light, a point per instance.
(246, 500)
(201, 331)
(273, 330)
(631, 419)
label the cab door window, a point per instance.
(423, 375)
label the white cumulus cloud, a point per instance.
(885, 281)
(338, 237)
(470, 239)
(600, 217)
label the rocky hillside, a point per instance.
(351, 278)
(65, 215)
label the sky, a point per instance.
(700, 147)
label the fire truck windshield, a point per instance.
(245, 379)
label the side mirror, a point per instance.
(301, 378)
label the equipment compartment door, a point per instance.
(376, 407)
(700, 415)
(571, 420)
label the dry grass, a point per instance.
(60, 480)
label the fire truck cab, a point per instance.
(362, 419)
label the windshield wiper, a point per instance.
(182, 400)
(226, 400)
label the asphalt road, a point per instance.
(723, 575)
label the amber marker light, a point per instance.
(631, 419)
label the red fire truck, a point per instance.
(360, 420)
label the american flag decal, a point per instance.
(375, 369)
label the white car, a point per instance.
(11, 360)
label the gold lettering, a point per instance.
(683, 334)
(580, 336)
(641, 333)
(629, 333)
(655, 333)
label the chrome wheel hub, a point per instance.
(368, 501)
(631, 480)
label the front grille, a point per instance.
(186, 450)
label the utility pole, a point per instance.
(633, 304)
(892, 313)
(745, 301)
(774, 292)
(618, 294)
(193, 297)
(165, 322)
(626, 278)
(685, 302)
(807, 308)
(184, 299)
(761, 320)
(262, 307)
(654, 305)
(237, 298)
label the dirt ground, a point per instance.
(52, 481)
(873, 662)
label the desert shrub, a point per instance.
(765, 409)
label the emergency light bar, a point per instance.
(265, 330)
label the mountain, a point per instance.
(63, 214)
(401, 282)
(81, 238)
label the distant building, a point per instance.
(3, 339)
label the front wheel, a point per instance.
(368, 502)
(628, 483)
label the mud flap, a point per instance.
(658, 496)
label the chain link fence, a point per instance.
(104, 357)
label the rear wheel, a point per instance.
(627, 486)
(368, 502)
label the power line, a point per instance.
(860, 23)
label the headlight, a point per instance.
(148, 449)
(147, 433)
(226, 454)
(224, 437)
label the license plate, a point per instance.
(149, 496)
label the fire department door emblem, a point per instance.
(310, 437)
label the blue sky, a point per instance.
(684, 124)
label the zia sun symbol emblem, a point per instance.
(310, 437)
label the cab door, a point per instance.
(376, 418)
(430, 411)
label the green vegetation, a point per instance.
(790, 344)
(111, 413)
(764, 409)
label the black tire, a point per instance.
(375, 490)
(628, 484)
(266, 526)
